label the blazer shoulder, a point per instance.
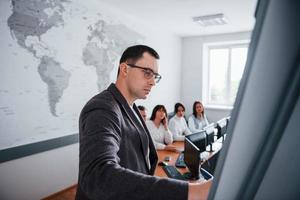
(102, 101)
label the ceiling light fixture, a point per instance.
(211, 20)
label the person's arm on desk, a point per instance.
(199, 191)
(170, 147)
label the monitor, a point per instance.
(222, 127)
(227, 120)
(192, 159)
(210, 134)
(194, 145)
(199, 139)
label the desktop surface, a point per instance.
(217, 145)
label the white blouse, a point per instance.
(196, 125)
(160, 135)
(179, 128)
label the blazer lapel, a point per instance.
(142, 131)
(152, 154)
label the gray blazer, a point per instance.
(114, 148)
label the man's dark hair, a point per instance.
(141, 108)
(133, 53)
(177, 105)
(194, 108)
(157, 108)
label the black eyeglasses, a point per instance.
(148, 73)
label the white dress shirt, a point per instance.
(160, 135)
(179, 128)
(148, 149)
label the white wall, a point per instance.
(167, 91)
(39, 175)
(42, 174)
(192, 68)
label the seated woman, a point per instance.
(178, 124)
(197, 121)
(158, 128)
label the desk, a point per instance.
(163, 153)
(69, 193)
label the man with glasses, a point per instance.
(117, 155)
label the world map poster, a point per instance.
(55, 55)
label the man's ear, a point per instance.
(123, 69)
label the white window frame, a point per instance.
(206, 71)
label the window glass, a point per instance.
(238, 61)
(225, 69)
(217, 75)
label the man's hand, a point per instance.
(199, 190)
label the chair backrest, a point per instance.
(170, 115)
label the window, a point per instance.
(224, 69)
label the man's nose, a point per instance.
(152, 81)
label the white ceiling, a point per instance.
(176, 15)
